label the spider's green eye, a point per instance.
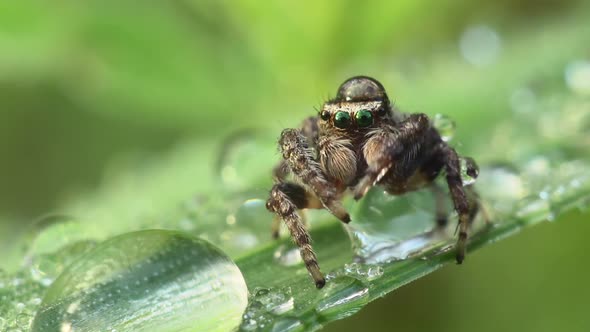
(364, 118)
(342, 119)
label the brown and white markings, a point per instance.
(357, 141)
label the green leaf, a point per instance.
(534, 167)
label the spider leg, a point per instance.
(275, 227)
(466, 206)
(392, 149)
(285, 199)
(299, 157)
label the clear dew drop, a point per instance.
(23, 320)
(276, 301)
(255, 317)
(466, 172)
(388, 228)
(148, 280)
(342, 297)
(446, 126)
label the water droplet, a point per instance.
(480, 45)
(445, 126)
(114, 287)
(287, 255)
(342, 297)
(275, 301)
(359, 271)
(388, 228)
(469, 171)
(577, 76)
(255, 317)
(24, 320)
(288, 325)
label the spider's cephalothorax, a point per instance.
(357, 141)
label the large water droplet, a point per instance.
(342, 297)
(388, 228)
(146, 281)
(445, 126)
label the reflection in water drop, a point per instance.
(388, 228)
(445, 126)
(342, 297)
(469, 171)
(480, 45)
(577, 76)
(149, 280)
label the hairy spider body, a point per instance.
(360, 140)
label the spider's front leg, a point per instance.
(300, 160)
(392, 149)
(285, 199)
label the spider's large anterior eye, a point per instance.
(364, 118)
(342, 119)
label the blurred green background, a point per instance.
(84, 85)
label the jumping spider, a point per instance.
(359, 140)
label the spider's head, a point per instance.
(361, 102)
